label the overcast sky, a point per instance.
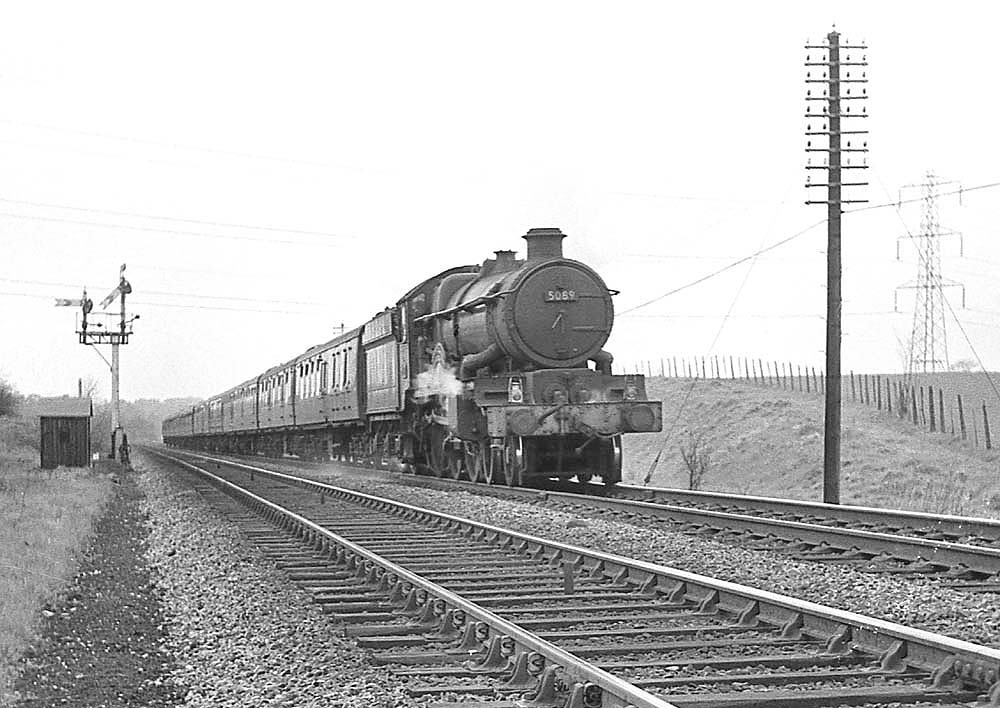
(307, 163)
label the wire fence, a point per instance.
(943, 403)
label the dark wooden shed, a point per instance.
(65, 424)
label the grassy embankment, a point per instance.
(769, 442)
(45, 519)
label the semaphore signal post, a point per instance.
(830, 101)
(106, 328)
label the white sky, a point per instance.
(665, 139)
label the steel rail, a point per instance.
(918, 520)
(980, 559)
(950, 659)
(624, 693)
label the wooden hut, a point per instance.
(65, 426)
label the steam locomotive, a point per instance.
(494, 373)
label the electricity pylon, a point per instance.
(929, 337)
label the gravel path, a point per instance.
(243, 634)
(101, 642)
(914, 601)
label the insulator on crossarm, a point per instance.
(864, 91)
(847, 92)
(864, 109)
(809, 126)
(809, 143)
(809, 93)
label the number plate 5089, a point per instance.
(560, 295)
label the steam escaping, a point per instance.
(437, 380)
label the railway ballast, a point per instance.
(517, 604)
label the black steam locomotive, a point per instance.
(482, 372)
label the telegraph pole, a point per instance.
(828, 111)
(106, 331)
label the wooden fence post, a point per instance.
(940, 408)
(867, 399)
(961, 417)
(853, 397)
(923, 411)
(913, 395)
(663, 372)
(888, 394)
(732, 369)
(878, 392)
(930, 400)
(986, 428)
(746, 368)
(676, 373)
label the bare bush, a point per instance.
(696, 458)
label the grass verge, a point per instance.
(45, 518)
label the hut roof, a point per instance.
(63, 407)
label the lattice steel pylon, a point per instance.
(928, 347)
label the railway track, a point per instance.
(470, 614)
(964, 552)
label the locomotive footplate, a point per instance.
(602, 418)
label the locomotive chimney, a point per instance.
(544, 244)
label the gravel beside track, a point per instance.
(242, 632)
(913, 601)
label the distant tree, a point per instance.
(964, 365)
(90, 387)
(8, 399)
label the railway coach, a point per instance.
(494, 372)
